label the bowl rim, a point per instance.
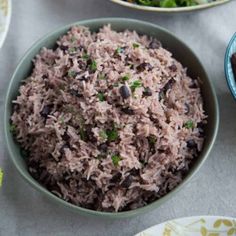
(170, 10)
(7, 23)
(231, 82)
(81, 210)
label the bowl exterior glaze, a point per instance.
(180, 51)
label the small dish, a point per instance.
(231, 80)
(194, 226)
(5, 16)
(170, 10)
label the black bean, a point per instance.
(134, 172)
(201, 127)
(193, 85)
(233, 63)
(16, 107)
(173, 68)
(84, 78)
(75, 93)
(63, 47)
(65, 137)
(144, 66)
(62, 149)
(127, 182)
(155, 44)
(147, 92)
(161, 95)
(46, 111)
(191, 144)
(82, 65)
(116, 178)
(187, 108)
(103, 147)
(168, 85)
(131, 67)
(127, 110)
(89, 134)
(124, 92)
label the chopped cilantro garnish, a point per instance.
(112, 135)
(82, 134)
(1, 177)
(101, 77)
(61, 120)
(13, 128)
(115, 159)
(103, 134)
(72, 73)
(99, 157)
(85, 56)
(93, 66)
(73, 39)
(125, 78)
(189, 124)
(152, 139)
(101, 97)
(135, 84)
(135, 45)
(119, 50)
(72, 50)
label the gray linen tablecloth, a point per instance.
(24, 211)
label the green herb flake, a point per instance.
(115, 159)
(85, 56)
(72, 50)
(13, 128)
(112, 135)
(135, 45)
(101, 97)
(93, 66)
(102, 134)
(189, 124)
(82, 134)
(101, 77)
(118, 50)
(1, 177)
(61, 120)
(152, 139)
(72, 73)
(99, 157)
(135, 84)
(125, 78)
(73, 39)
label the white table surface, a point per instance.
(24, 211)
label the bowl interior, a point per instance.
(228, 67)
(180, 51)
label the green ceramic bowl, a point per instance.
(182, 52)
(171, 9)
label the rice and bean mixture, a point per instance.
(108, 121)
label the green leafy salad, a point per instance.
(169, 3)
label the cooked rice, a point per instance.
(94, 148)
